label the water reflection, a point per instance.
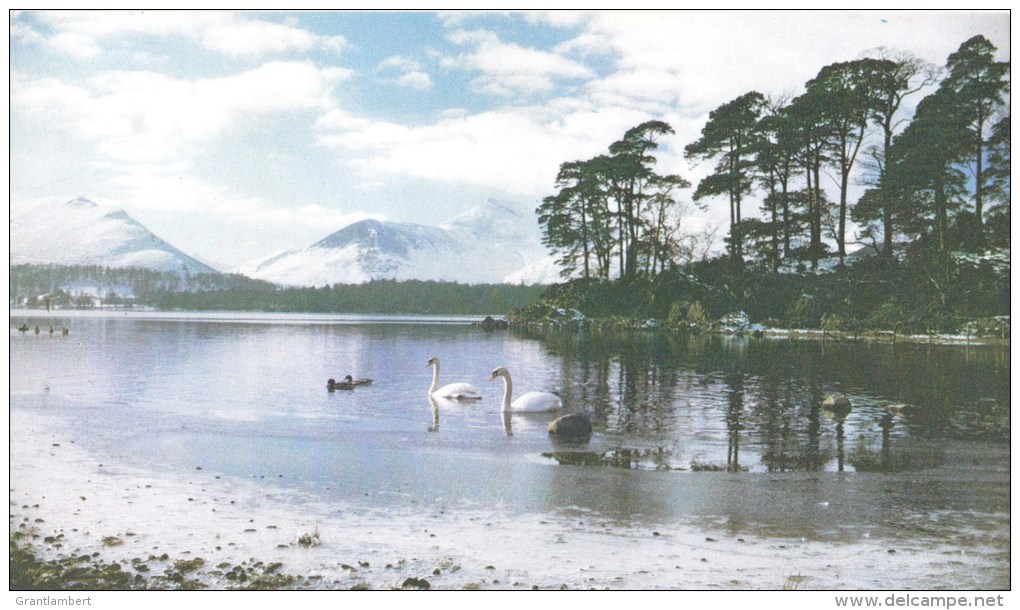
(688, 397)
(435, 415)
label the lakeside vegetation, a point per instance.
(934, 213)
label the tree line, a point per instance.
(940, 177)
(86, 286)
(376, 296)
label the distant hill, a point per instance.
(490, 243)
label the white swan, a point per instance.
(532, 402)
(452, 391)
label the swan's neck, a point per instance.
(435, 378)
(508, 391)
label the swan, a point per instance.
(533, 402)
(452, 391)
(353, 381)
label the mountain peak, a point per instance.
(81, 202)
(482, 245)
(82, 232)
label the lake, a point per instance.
(712, 464)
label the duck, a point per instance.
(357, 382)
(333, 385)
(531, 402)
(451, 391)
(23, 328)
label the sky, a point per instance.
(235, 135)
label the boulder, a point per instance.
(571, 425)
(490, 323)
(837, 406)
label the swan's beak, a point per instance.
(494, 375)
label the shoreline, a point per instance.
(602, 324)
(193, 530)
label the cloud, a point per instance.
(415, 80)
(162, 188)
(507, 69)
(558, 18)
(516, 150)
(397, 62)
(246, 38)
(76, 45)
(136, 116)
(82, 34)
(413, 76)
(710, 57)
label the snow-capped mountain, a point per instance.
(82, 232)
(484, 245)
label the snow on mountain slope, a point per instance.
(483, 245)
(543, 271)
(81, 232)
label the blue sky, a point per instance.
(233, 135)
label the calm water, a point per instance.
(724, 432)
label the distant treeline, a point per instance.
(87, 286)
(378, 296)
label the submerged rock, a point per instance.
(571, 425)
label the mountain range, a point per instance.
(490, 243)
(82, 232)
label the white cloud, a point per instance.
(232, 34)
(397, 62)
(79, 46)
(138, 116)
(558, 18)
(516, 150)
(508, 68)
(415, 80)
(712, 57)
(413, 76)
(239, 38)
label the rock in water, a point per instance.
(838, 406)
(572, 425)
